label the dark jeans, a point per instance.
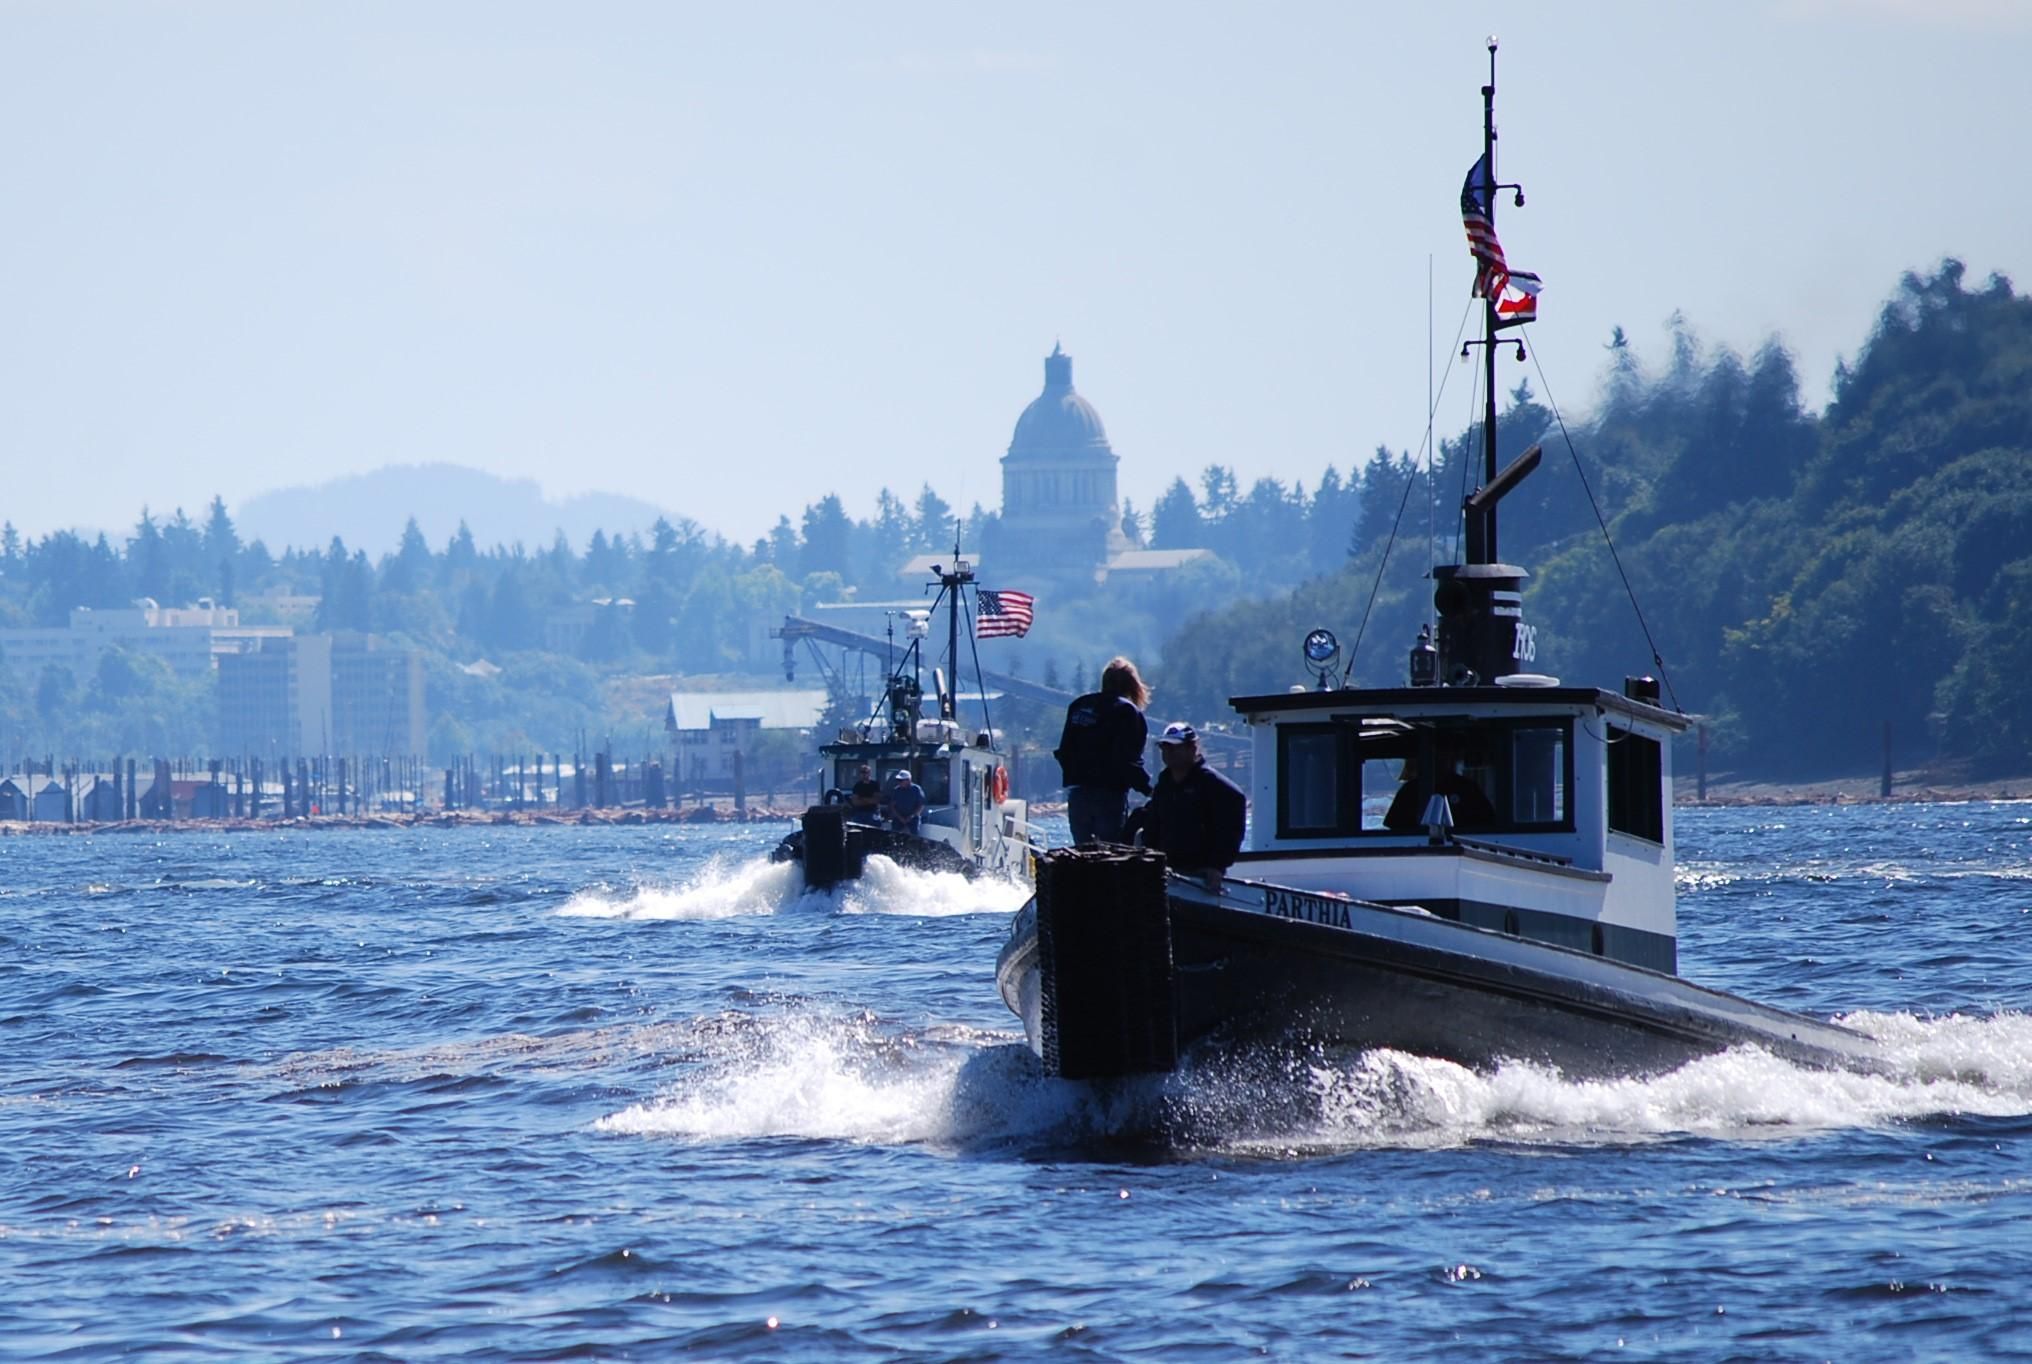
(1096, 813)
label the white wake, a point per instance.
(728, 889)
(853, 1080)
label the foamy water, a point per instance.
(726, 888)
(854, 1080)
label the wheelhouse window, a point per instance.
(1379, 775)
(1309, 763)
(1636, 785)
(1538, 774)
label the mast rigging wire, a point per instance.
(1657, 659)
(1410, 478)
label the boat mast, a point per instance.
(1489, 301)
(953, 584)
(1482, 636)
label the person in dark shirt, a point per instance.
(866, 798)
(905, 803)
(1100, 753)
(1468, 805)
(1196, 817)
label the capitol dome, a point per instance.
(1058, 421)
(1060, 516)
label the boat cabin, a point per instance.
(1555, 821)
(963, 780)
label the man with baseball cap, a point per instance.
(904, 802)
(1196, 816)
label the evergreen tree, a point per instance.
(783, 546)
(184, 551)
(561, 564)
(891, 536)
(346, 590)
(1330, 522)
(932, 527)
(1175, 521)
(826, 531)
(147, 560)
(606, 568)
(221, 549)
(461, 556)
(409, 568)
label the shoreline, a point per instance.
(709, 813)
(1907, 788)
(1725, 792)
(720, 811)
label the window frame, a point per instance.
(1427, 735)
(1623, 788)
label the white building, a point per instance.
(189, 640)
(707, 728)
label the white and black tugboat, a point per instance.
(1476, 866)
(969, 822)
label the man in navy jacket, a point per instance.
(1197, 816)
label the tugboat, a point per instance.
(1476, 866)
(970, 823)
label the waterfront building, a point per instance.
(189, 640)
(275, 701)
(707, 729)
(346, 694)
(377, 697)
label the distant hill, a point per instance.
(368, 511)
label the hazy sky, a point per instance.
(728, 258)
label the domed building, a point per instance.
(1060, 517)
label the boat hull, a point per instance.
(1258, 964)
(864, 840)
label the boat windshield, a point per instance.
(933, 774)
(1498, 775)
(930, 773)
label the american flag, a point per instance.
(1515, 291)
(1002, 613)
(1492, 271)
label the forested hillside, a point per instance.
(1805, 577)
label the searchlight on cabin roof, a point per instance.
(1321, 649)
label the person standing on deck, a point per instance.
(866, 798)
(905, 803)
(1197, 816)
(1100, 753)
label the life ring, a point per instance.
(999, 784)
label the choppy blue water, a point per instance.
(624, 1093)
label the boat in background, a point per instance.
(971, 824)
(1476, 866)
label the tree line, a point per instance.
(1803, 578)
(1800, 580)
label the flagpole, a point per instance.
(1489, 300)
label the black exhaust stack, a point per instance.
(1480, 604)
